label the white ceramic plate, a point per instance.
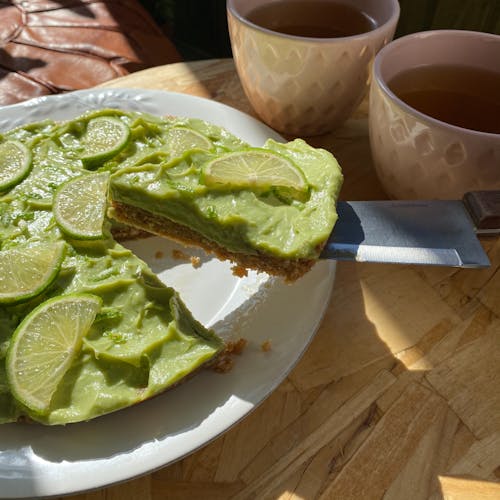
(42, 461)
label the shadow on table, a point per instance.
(352, 418)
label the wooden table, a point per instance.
(397, 397)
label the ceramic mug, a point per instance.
(303, 85)
(417, 156)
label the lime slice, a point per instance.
(45, 344)
(181, 139)
(40, 185)
(105, 137)
(15, 163)
(80, 206)
(253, 169)
(28, 271)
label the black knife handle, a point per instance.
(484, 208)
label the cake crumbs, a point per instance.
(225, 362)
(180, 255)
(266, 346)
(159, 254)
(239, 271)
(237, 347)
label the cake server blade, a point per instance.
(434, 232)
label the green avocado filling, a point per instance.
(144, 339)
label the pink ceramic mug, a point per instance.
(303, 85)
(417, 156)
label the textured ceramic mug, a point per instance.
(301, 85)
(415, 155)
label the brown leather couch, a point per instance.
(49, 46)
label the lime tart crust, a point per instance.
(290, 269)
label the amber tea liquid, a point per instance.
(460, 95)
(313, 18)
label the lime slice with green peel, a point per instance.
(253, 169)
(80, 206)
(182, 139)
(26, 272)
(105, 137)
(15, 163)
(45, 344)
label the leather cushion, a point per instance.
(48, 47)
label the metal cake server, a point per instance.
(434, 232)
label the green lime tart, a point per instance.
(86, 328)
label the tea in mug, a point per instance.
(460, 95)
(314, 18)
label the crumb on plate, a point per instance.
(225, 362)
(266, 346)
(236, 347)
(195, 261)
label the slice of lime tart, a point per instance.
(86, 328)
(271, 208)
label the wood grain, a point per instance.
(396, 398)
